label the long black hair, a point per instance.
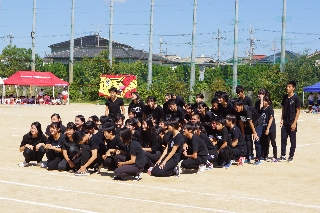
(146, 137)
(40, 133)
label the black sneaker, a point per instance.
(282, 158)
(177, 171)
(290, 159)
(137, 177)
(117, 178)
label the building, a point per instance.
(92, 45)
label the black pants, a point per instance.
(265, 142)
(127, 170)
(191, 163)
(32, 155)
(285, 132)
(213, 156)
(64, 165)
(87, 154)
(249, 141)
(239, 151)
(152, 158)
(54, 158)
(225, 154)
(110, 162)
(167, 171)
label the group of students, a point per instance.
(165, 141)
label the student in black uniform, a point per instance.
(215, 106)
(239, 145)
(114, 105)
(176, 111)
(70, 151)
(150, 142)
(242, 97)
(153, 108)
(178, 100)
(250, 122)
(259, 103)
(225, 106)
(55, 117)
(136, 105)
(189, 112)
(224, 145)
(32, 145)
(53, 147)
(268, 131)
(167, 164)
(114, 147)
(119, 121)
(92, 149)
(135, 165)
(212, 149)
(79, 121)
(290, 113)
(132, 124)
(196, 146)
(96, 120)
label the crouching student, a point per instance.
(199, 150)
(167, 164)
(32, 145)
(92, 149)
(212, 149)
(239, 144)
(135, 165)
(53, 148)
(114, 146)
(224, 145)
(70, 151)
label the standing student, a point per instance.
(135, 165)
(153, 108)
(290, 113)
(79, 121)
(55, 117)
(70, 151)
(259, 103)
(114, 146)
(242, 97)
(224, 145)
(150, 142)
(167, 164)
(114, 105)
(64, 96)
(53, 147)
(198, 149)
(239, 145)
(268, 131)
(32, 145)
(250, 123)
(136, 105)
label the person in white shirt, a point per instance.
(64, 96)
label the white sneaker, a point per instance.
(23, 164)
(201, 169)
(137, 177)
(43, 165)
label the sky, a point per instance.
(172, 23)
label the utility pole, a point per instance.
(193, 52)
(71, 44)
(33, 36)
(283, 37)
(10, 37)
(161, 45)
(150, 45)
(235, 51)
(110, 33)
(251, 44)
(274, 49)
(219, 38)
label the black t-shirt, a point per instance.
(246, 101)
(177, 140)
(27, 139)
(114, 106)
(67, 144)
(211, 148)
(137, 107)
(136, 150)
(290, 106)
(257, 106)
(267, 113)
(215, 112)
(57, 143)
(224, 111)
(63, 129)
(150, 141)
(235, 133)
(156, 112)
(167, 138)
(196, 144)
(178, 114)
(96, 143)
(115, 143)
(249, 113)
(225, 137)
(179, 101)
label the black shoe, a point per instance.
(290, 159)
(117, 178)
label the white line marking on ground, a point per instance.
(113, 196)
(308, 144)
(171, 189)
(45, 204)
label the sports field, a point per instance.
(281, 187)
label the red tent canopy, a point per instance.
(35, 79)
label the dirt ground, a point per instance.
(282, 187)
